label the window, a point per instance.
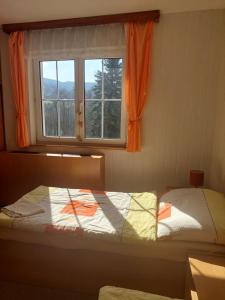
(80, 100)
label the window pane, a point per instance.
(49, 80)
(93, 119)
(50, 118)
(112, 78)
(93, 79)
(112, 119)
(67, 118)
(66, 79)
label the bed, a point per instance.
(80, 218)
(116, 229)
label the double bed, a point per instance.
(111, 231)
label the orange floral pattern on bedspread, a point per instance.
(165, 212)
(81, 208)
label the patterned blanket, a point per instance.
(98, 214)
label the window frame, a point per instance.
(35, 93)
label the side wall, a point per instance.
(179, 120)
(2, 136)
(180, 116)
(217, 171)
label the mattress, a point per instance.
(169, 250)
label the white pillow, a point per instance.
(183, 215)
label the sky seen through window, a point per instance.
(67, 73)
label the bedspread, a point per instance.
(99, 214)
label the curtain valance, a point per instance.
(103, 40)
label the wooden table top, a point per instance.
(208, 273)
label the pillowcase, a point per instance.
(183, 215)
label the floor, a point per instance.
(14, 291)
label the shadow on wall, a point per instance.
(217, 177)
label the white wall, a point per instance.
(183, 112)
(180, 116)
(217, 171)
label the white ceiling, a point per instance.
(13, 11)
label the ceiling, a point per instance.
(13, 11)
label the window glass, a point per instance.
(67, 118)
(112, 78)
(49, 80)
(93, 79)
(93, 119)
(58, 98)
(66, 79)
(103, 81)
(112, 119)
(50, 118)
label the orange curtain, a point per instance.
(19, 84)
(137, 67)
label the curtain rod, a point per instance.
(143, 16)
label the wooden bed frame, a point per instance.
(87, 271)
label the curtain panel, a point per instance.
(137, 70)
(86, 41)
(19, 85)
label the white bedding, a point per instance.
(184, 215)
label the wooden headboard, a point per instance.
(21, 172)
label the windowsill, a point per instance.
(76, 146)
